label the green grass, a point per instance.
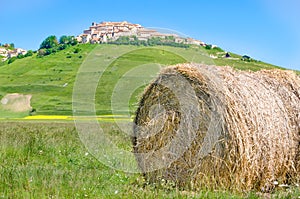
(243, 65)
(44, 77)
(48, 160)
(125, 63)
(5, 114)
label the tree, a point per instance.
(49, 42)
(20, 56)
(208, 47)
(48, 51)
(29, 53)
(64, 39)
(74, 41)
(41, 52)
(76, 50)
(246, 58)
(11, 60)
(62, 46)
(12, 45)
(68, 40)
(170, 38)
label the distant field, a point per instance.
(50, 79)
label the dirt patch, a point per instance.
(16, 102)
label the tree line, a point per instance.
(153, 41)
(52, 45)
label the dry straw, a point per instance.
(215, 127)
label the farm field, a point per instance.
(47, 160)
(42, 155)
(51, 79)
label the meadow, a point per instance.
(50, 79)
(48, 160)
(42, 156)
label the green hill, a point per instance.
(50, 79)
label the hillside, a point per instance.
(50, 79)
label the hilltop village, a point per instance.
(111, 31)
(103, 32)
(7, 52)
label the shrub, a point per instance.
(77, 50)
(32, 111)
(29, 53)
(41, 52)
(20, 56)
(62, 46)
(208, 47)
(11, 60)
(48, 51)
(49, 42)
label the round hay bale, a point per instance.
(208, 126)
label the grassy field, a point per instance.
(48, 160)
(44, 79)
(50, 79)
(43, 157)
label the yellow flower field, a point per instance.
(108, 118)
(47, 117)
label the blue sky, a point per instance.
(266, 30)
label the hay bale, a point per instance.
(207, 126)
